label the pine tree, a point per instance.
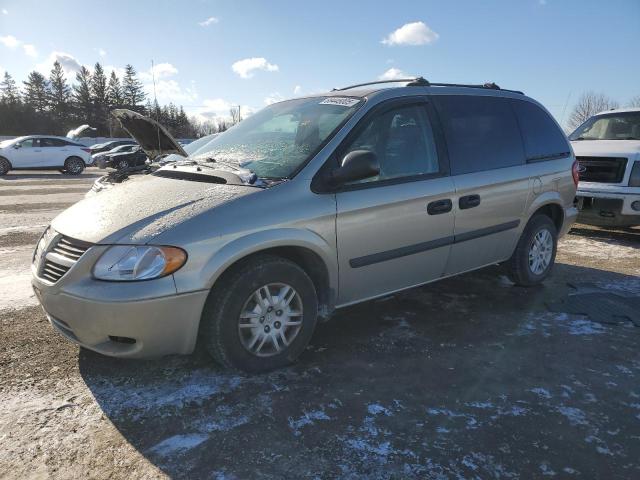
(82, 96)
(9, 93)
(132, 90)
(114, 91)
(37, 92)
(99, 98)
(59, 95)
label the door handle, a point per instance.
(469, 201)
(439, 207)
(38, 150)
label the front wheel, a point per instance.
(5, 166)
(261, 316)
(74, 166)
(535, 253)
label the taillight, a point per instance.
(575, 173)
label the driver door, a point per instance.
(28, 155)
(394, 230)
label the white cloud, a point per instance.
(161, 70)
(297, 90)
(209, 21)
(415, 33)
(246, 67)
(273, 98)
(217, 110)
(102, 52)
(30, 50)
(172, 91)
(393, 74)
(5, 12)
(10, 41)
(69, 64)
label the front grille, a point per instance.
(602, 169)
(53, 271)
(56, 254)
(70, 248)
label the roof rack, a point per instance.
(423, 82)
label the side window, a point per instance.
(29, 143)
(481, 132)
(402, 140)
(542, 137)
(49, 142)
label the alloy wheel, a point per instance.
(540, 252)
(270, 319)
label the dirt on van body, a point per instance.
(470, 377)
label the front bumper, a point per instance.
(121, 319)
(607, 208)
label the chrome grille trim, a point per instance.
(58, 256)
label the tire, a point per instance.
(122, 164)
(522, 269)
(5, 166)
(235, 294)
(73, 166)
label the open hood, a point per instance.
(77, 132)
(153, 138)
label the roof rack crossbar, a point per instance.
(414, 81)
(422, 82)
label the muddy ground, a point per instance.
(470, 377)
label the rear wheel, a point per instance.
(122, 164)
(73, 166)
(261, 316)
(535, 253)
(5, 166)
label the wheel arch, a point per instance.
(75, 156)
(549, 204)
(304, 248)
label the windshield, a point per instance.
(613, 126)
(281, 138)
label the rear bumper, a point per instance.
(570, 215)
(607, 208)
(132, 329)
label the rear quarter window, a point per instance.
(543, 139)
(481, 132)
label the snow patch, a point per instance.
(178, 444)
(307, 418)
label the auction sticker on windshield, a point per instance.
(343, 101)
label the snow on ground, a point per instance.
(15, 278)
(594, 248)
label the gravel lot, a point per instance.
(470, 377)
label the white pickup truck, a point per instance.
(607, 147)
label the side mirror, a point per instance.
(17, 146)
(357, 165)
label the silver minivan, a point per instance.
(305, 207)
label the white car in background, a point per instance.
(43, 152)
(607, 147)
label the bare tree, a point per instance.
(635, 101)
(589, 104)
(235, 114)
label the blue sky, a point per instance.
(552, 49)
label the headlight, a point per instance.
(126, 263)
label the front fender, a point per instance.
(241, 247)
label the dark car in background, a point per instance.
(105, 147)
(99, 159)
(124, 160)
